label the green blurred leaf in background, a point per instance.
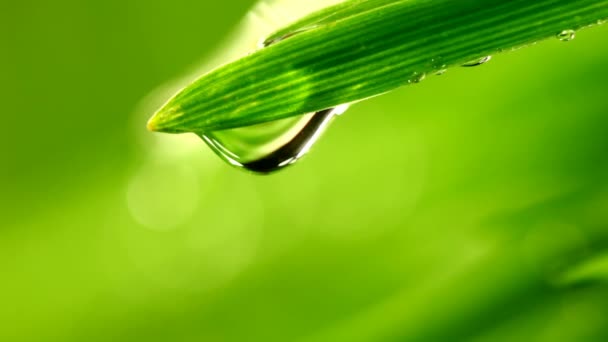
(470, 207)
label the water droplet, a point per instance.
(417, 77)
(271, 146)
(437, 63)
(601, 21)
(477, 62)
(566, 35)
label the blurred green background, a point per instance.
(473, 206)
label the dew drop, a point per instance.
(271, 146)
(601, 21)
(478, 62)
(566, 35)
(417, 77)
(437, 63)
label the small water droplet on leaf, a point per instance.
(417, 77)
(566, 35)
(478, 62)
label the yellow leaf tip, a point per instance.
(151, 125)
(163, 119)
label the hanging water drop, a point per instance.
(566, 35)
(477, 62)
(271, 146)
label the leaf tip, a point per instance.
(152, 125)
(163, 120)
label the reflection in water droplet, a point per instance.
(441, 72)
(417, 77)
(566, 35)
(271, 146)
(477, 62)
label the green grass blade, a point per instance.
(359, 49)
